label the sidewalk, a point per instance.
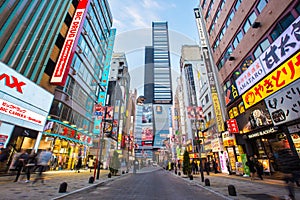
(49, 190)
(246, 189)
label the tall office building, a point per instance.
(255, 46)
(158, 86)
(64, 47)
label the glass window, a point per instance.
(281, 26)
(250, 20)
(237, 39)
(261, 5)
(237, 5)
(298, 8)
(261, 48)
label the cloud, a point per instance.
(135, 14)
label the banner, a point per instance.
(278, 79)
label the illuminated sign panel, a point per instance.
(22, 102)
(218, 112)
(284, 105)
(279, 78)
(67, 52)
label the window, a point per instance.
(261, 5)
(281, 26)
(237, 39)
(298, 8)
(237, 5)
(206, 99)
(250, 20)
(261, 48)
(229, 18)
(247, 62)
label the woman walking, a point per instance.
(251, 166)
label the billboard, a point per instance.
(22, 102)
(284, 105)
(63, 64)
(278, 79)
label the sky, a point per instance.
(133, 21)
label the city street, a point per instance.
(148, 183)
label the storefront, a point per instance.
(68, 143)
(24, 107)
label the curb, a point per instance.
(88, 187)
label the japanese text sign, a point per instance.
(232, 126)
(282, 48)
(279, 78)
(284, 106)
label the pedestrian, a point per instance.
(193, 167)
(79, 163)
(31, 164)
(20, 163)
(259, 167)
(289, 164)
(251, 165)
(43, 161)
(4, 152)
(228, 166)
(207, 167)
(215, 166)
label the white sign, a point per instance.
(282, 48)
(252, 75)
(14, 110)
(22, 102)
(294, 128)
(284, 105)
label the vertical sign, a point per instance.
(68, 50)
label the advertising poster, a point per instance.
(246, 168)
(254, 118)
(3, 140)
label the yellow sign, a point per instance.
(279, 78)
(218, 112)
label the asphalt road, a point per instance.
(151, 185)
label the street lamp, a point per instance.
(199, 127)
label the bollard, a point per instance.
(231, 190)
(191, 177)
(207, 182)
(123, 172)
(109, 175)
(91, 179)
(63, 187)
(179, 173)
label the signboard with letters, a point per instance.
(284, 106)
(22, 102)
(278, 79)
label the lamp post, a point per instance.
(199, 127)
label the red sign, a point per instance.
(67, 52)
(232, 126)
(13, 82)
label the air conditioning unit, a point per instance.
(74, 72)
(67, 97)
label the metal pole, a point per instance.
(201, 167)
(100, 156)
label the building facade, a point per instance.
(62, 47)
(253, 43)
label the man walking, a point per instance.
(43, 163)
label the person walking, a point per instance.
(20, 163)
(259, 168)
(43, 161)
(251, 165)
(289, 164)
(228, 166)
(207, 167)
(31, 164)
